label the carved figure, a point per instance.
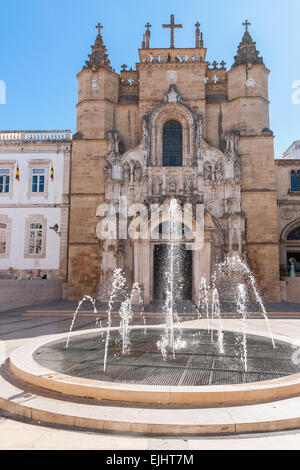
(207, 171)
(138, 172)
(172, 185)
(126, 172)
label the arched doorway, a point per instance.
(148, 270)
(293, 248)
(182, 265)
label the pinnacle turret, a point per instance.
(247, 51)
(98, 58)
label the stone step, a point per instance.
(23, 400)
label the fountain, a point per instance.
(173, 339)
(205, 364)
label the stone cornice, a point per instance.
(169, 65)
(95, 100)
(288, 202)
(34, 206)
(112, 72)
(249, 98)
(258, 190)
(262, 243)
(23, 148)
(287, 161)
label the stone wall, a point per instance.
(15, 294)
(292, 289)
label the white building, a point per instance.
(34, 204)
(293, 151)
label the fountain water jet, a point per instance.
(241, 308)
(203, 303)
(85, 298)
(235, 264)
(171, 339)
(126, 314)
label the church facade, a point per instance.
(176, 127)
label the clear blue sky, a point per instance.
(44, 44)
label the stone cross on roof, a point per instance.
(246, 24)
(172, 26)
(99, 27)
(197, 26)
(147, 35)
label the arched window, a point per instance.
(294, 234)
(295, 180)
(172, 144)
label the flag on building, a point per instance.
(18, 172)
(52, 172)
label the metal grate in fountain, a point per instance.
(198, 362)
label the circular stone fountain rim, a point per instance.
(26, 368)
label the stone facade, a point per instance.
(228, 160)
(288, 200)
(288, 208)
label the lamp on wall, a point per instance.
(55, 228)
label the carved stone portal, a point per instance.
(208, 176)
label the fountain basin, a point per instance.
(139, 379)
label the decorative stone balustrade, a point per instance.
(35, 136)
(161, 56)
(216, 81)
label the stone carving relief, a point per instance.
(126, 172)
(156, 188)
(207, 171)
(287, 213)
(173, 95)
(146, 140)
(108, 169)
(113, 138)
(208, 175)
(172, 185)
(189, 186)
(138, 172)
(231, 139)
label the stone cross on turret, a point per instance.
(197, 26)
(246, 24)
(147, 35)
(99, 57)
(172, 26)
(99, 27)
